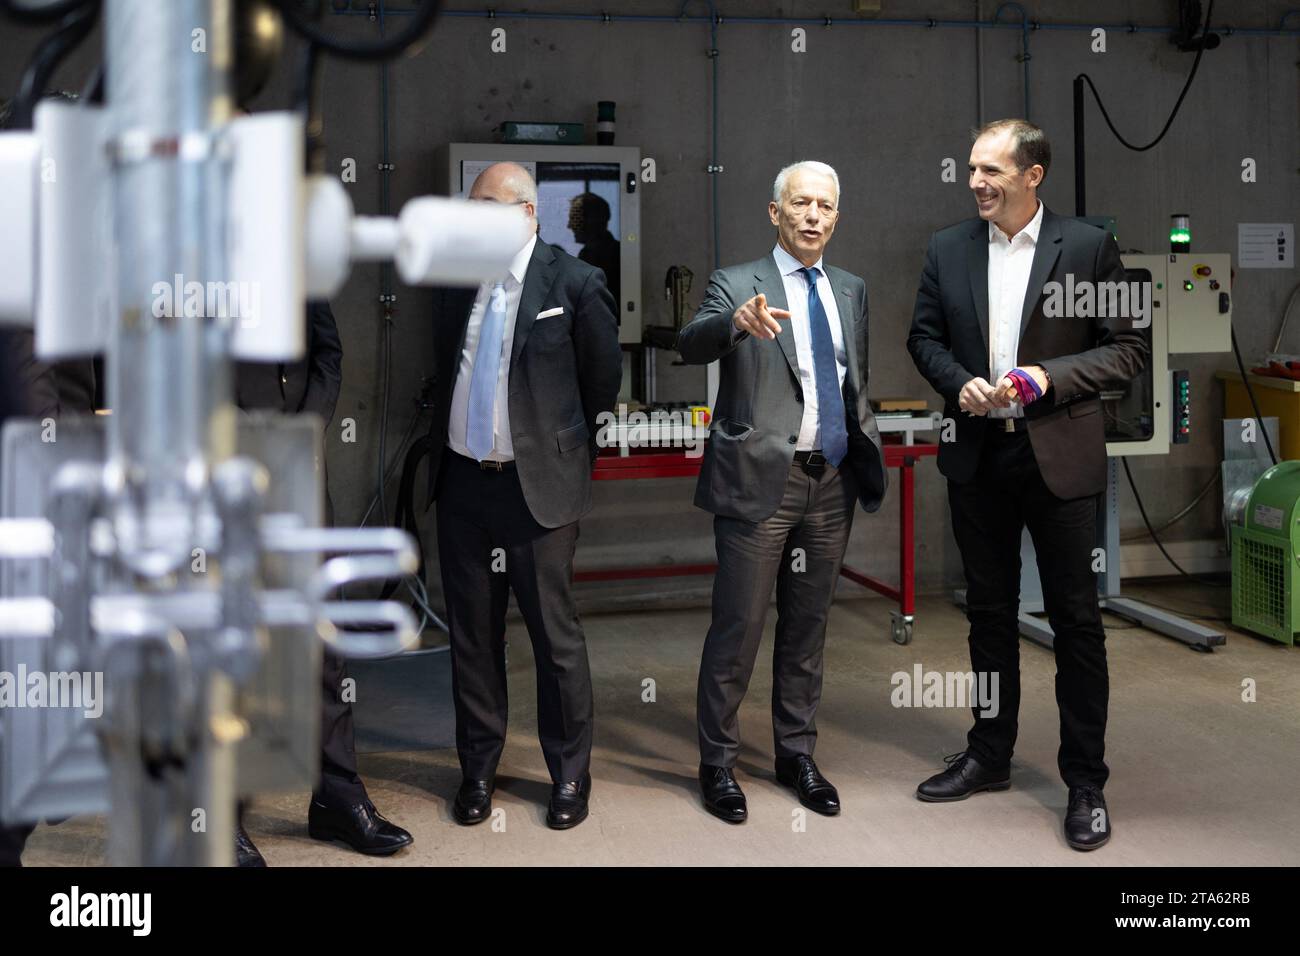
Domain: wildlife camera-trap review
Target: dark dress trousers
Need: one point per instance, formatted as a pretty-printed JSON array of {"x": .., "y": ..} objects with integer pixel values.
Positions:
[
  {"x": 765, "y": 506},
  {"x": 516, "y": 529},
  {"x": 1045, "y": 476},
  {"x": 312, "y": 385}
]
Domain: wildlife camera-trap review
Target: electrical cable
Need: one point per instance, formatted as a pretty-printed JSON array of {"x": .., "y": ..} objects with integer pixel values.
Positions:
[
  {"x": 1181, "y": 96},
  {"x": 51, "y": 51},
  {"x": 1200, "y": 495},
  {"x": 1156, "y": 538},
  {"x": 388, "y": 47},
  {"x": 1250, "y": 392},
  {"x": 47, "y": 13},
  {"x": 385, "y": 273},
  {"x": 92, "y": 91},
  {"x": 401, "y": 450},
  {"x": 1286, "y": 312}
]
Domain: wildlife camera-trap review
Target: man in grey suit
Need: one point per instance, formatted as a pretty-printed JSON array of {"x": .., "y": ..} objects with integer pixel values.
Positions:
[{"x": 792, "y": 446}]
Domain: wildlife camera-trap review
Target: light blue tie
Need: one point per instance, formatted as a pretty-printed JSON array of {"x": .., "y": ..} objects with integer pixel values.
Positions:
[{"x": 487, "y": 370}]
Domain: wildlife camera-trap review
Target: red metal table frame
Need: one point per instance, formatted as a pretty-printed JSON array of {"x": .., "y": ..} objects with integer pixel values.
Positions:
[{"x": 677, "y": 465}]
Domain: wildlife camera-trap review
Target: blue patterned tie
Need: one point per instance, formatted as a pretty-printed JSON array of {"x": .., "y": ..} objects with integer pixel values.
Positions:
[
  {"x": 487, "y": 370},
  {"x": 830, "y": 401}
]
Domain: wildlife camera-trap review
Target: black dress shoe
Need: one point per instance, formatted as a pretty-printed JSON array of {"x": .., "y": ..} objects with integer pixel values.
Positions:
[
  {"x": 568, "y": 805},
  {"x": 722, "y": 795},
  {"x": 1087, "y": 821},
  {"x": 815, "y": 791},
  {"x": 246, "y": 854},
  {"x": 965, "y": 775},
  {"x": 359, "y": 825},
  {"x": 473, "y": 803}
]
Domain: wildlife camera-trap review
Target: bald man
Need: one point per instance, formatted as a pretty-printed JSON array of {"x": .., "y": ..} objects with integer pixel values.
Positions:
[{"x": 524, "y": 364}]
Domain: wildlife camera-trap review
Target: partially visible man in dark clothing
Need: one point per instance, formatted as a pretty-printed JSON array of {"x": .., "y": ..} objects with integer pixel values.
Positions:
[
  {"x": 26, "y": 389},
  {"x": 340, "y": 807}
]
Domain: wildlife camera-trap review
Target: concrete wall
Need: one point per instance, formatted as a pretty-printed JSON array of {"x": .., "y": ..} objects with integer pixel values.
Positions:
[{"x": 885, "y": 105}]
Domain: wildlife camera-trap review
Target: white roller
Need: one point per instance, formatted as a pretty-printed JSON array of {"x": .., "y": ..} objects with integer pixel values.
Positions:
[
  {"x": 20, "y": 160},
  {"x": 328, "y": 218},
  {"x": 72, "y": 302},
  {"x": 266, "y": 252},
  {"x": 456, "y": 242}
]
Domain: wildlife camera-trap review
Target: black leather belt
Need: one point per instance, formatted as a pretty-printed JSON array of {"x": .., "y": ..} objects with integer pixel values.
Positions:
[
  {"x": 813, "y": 463},
  {"x": 487, "y": 465},
  {"x": 1005, "y": 426},
  {"x": 809, "y": 458}
]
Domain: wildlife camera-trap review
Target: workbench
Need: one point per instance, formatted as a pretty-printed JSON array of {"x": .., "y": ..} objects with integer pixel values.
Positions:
[{"x": 902, "y": 451}]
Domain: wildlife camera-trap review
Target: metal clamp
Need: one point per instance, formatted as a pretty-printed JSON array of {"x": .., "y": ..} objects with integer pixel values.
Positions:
[{"x": 392, "y": 554}]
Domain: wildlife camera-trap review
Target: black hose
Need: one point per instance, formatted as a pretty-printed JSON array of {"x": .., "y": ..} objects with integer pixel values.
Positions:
[
  {"x": 76, "y": 26},
  {"x": 1156, "y": 538},
  {"x": 1181, "y": 96},
  {"x": 26, "y": 13},
  {"x": 1250, "y": 391},
  {"x": 383, "y": 49}
]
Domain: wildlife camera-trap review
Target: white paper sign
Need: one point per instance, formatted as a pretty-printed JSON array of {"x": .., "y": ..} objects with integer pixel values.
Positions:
[
  {"x": 470, "y": 169},
  {"x": 1266, "y": 245}
]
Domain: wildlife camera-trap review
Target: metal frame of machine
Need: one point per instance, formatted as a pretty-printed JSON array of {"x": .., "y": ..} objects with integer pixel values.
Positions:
[{"x": 212, "y": 666}]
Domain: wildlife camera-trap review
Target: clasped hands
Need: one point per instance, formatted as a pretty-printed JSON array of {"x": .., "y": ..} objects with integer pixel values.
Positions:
[{"x": 978, "y": 397}]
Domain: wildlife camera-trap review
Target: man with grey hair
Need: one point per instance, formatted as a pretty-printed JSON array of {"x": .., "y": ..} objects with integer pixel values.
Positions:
[
  {"x": 524, "y": 366},
  {"x": 793, "y": 445}
]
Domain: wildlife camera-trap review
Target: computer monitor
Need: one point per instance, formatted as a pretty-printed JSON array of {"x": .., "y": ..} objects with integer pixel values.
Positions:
[{"x": 588, "y": 203}]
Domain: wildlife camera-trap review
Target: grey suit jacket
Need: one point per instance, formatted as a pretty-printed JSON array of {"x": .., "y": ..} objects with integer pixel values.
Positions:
[
  {"x": 1083, "y": 356},
  {"x": 760, "y": 400},
  {"x": 564, "y": 371}
]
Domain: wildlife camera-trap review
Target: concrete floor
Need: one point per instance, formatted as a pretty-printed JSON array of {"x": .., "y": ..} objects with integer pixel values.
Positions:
[{"x": 1197, "y": 775}]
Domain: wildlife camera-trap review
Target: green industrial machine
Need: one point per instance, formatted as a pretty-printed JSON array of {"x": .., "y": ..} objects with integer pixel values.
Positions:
[{"x": 1266, "y": 556}]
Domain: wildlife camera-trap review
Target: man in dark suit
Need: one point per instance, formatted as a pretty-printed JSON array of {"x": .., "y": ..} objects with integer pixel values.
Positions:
[
  {"x": 340, "y": 807},
  {"x": 793, "y": 446},
  {"x": 589, "y": 217},
  {"x": 1029, "y": 451},
  {"x": 32, "y": 388},
  {"x": 524, "y": 366},
  {"x": 26, "y": 389}
]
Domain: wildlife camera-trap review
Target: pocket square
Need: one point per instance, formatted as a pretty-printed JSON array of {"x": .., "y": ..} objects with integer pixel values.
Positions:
[{"x": 558, "y": 310}]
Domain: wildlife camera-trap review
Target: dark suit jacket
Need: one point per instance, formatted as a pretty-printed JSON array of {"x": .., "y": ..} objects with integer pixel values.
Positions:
[
  {"x": 1083, "y": 356},
  {"x": 760, "y": 400},
  {"x": 564, "y": 371},
  {"x": 308, "y": 385}
]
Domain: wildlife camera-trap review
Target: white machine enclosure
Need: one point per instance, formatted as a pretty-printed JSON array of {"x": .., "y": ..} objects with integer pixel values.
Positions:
[{"x": 1182, "y": 321}]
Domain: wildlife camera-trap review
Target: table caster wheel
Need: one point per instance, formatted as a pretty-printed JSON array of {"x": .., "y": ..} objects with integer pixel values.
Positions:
[{"x": 900, "y": 627}]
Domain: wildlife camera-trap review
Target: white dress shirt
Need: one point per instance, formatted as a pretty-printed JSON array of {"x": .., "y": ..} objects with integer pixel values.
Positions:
[
  {"x": 796, "y": 295},
  {"x": 503, "y": 448},
  {"x": 1010, "y": 261}
]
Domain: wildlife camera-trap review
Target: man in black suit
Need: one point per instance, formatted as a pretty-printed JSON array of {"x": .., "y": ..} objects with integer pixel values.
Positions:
[
  {"x": 26, "y": 389},
  {"x": 1023, "y": 390},
  {"x": 32, "y": 388},
  {"x": 793, "y": 445},
  {"x": 589, "y": 217},
  {"x": 340, "y": 807},
  {"x": 524, "y": 366}
]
